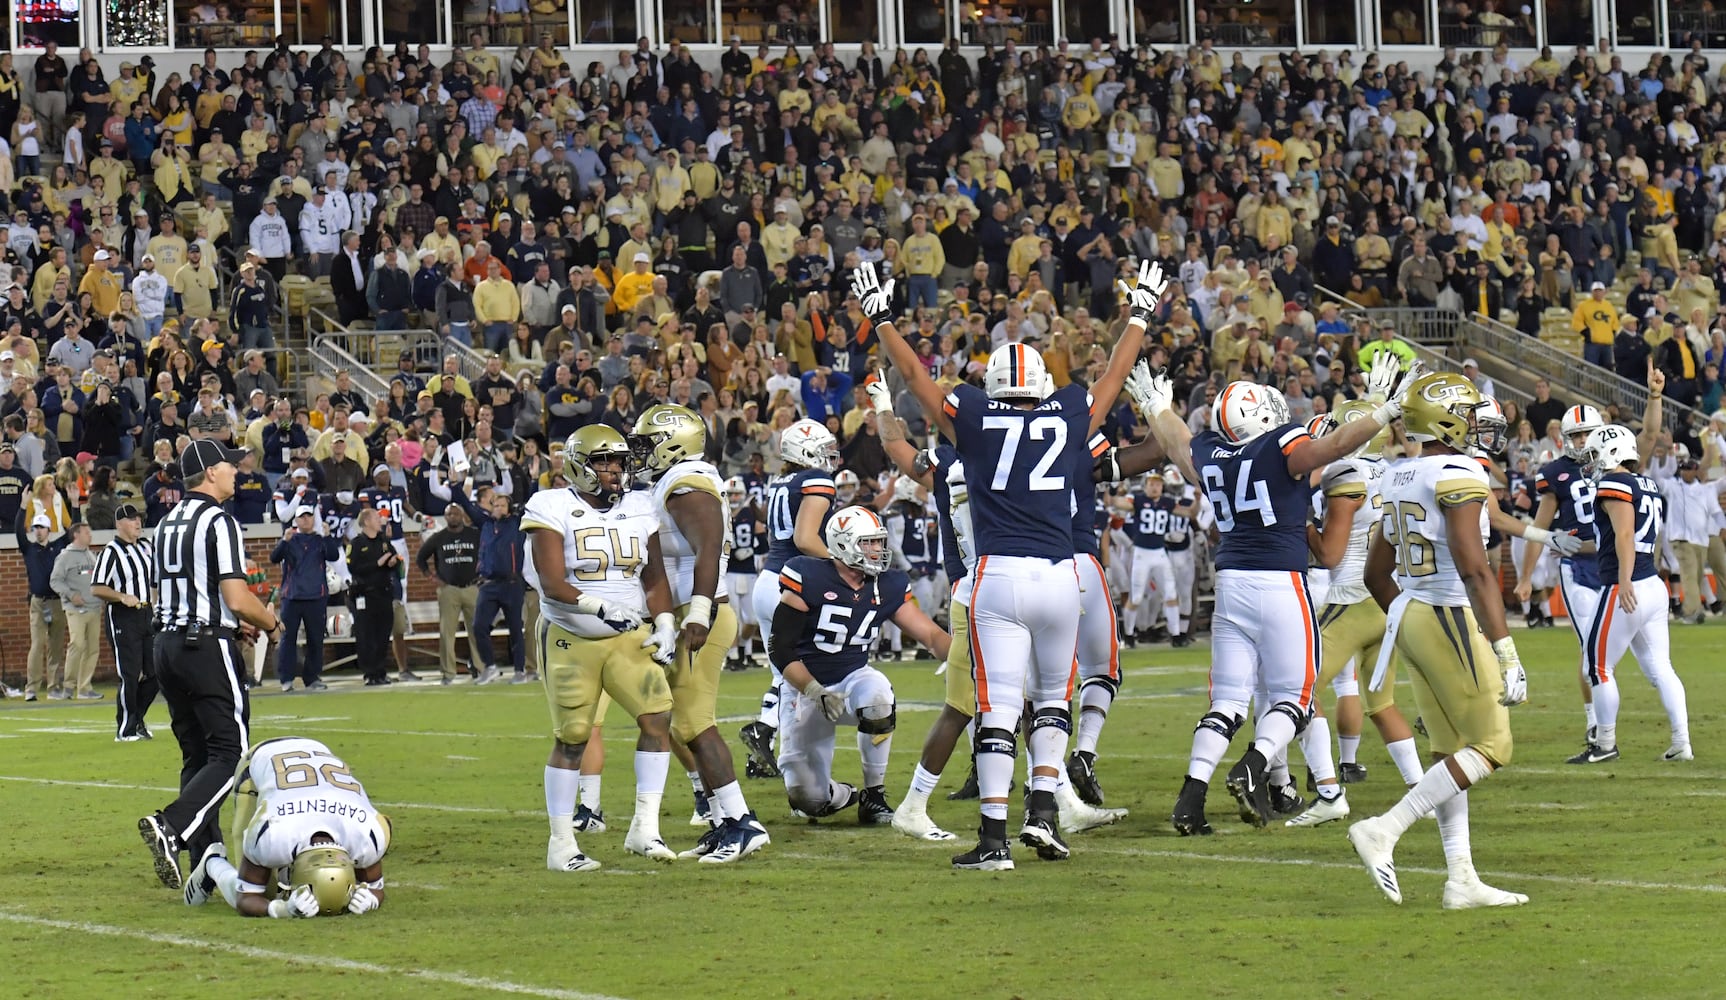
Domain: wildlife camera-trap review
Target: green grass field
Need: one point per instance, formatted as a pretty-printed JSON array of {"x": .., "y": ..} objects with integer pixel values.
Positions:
[{"x": 1624, "y": 864}]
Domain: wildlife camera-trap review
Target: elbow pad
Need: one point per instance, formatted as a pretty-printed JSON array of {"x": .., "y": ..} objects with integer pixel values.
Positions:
[{"x": 788, "y": 625}]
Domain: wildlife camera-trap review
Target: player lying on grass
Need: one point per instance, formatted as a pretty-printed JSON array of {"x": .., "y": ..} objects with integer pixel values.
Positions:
[
  {"x": 304, "y": 826},
  {"x": 828, "y": 620}
]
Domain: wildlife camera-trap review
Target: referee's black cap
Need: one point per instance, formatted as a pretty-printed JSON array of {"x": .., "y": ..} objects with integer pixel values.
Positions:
[
  {"x": 205, "y": 454},
  {"x": 126, "y": 512}
]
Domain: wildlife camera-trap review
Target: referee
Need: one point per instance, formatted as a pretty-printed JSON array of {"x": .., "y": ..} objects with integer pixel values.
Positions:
[
  {"x": 125, "y": 577},
  {"x": 202, "y": 598}
]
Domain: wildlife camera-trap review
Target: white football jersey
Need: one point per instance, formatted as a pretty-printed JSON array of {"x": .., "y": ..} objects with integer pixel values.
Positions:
[
  {"x": 604, "y": 552},
  {"x": 305, "y": 790},
  {"x": 678, "y": 553},
  {"x": 1358, "y": 479},
  {"x": 1415, "y": 493}
]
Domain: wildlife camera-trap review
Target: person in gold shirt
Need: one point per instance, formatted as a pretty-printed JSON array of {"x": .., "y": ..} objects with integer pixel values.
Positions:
[
  {"x": 172, "y": 170},
  {"x": 1597, "y": 320},
  {"x": 196, "y": 284},
  {"x": 103, "y": 284},
  {"x": 1025, "y": 249}
]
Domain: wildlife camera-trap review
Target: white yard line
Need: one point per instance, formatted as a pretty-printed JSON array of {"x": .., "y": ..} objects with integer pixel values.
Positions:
[
  {"x": 428, "y": 806},
  {"x": 331, "y": 962}
]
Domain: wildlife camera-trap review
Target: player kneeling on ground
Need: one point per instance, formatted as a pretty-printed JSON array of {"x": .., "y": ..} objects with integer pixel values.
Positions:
[
  {"x": 829, "y": 617},
  {"x": 301, "y": 818}
]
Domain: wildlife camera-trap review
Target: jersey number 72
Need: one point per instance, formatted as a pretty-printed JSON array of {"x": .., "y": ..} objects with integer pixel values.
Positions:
[{"x": 1051, "y": 429}]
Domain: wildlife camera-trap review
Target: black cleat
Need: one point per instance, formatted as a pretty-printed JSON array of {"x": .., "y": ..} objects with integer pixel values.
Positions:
[
  {"x": 754, "y": 770},
  {"x": 991, "y": 853},
  {"x": 1594, "y": 754},
  {"x": 1082, "y": 775},
  {"x": 1420, "y": 725},
  {"x": 852, "y": 797},
  {"x": 873, "y": 809},
  {"x": 1189, "y": 816},
  {"x": 968, "y": 790},
  {"x": 1039, "y": 832},
  {"x": 1311, "y": 782},
  {"x": 758, "y": 740},
  {"x": 1351, "y": 773},
  {"x": 1251, "y": 788},
  {"x": 1532, "y": 620},
  {"x": 1287, "y": 801},
  {"x": 1182, "y": 641},
  {"x": 164, "y": 845}
]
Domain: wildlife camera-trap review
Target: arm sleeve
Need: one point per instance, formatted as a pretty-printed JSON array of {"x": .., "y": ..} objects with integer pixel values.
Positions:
[{"x": 788, "y": 625}]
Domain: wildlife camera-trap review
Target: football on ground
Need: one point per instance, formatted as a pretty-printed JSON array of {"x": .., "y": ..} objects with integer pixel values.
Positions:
[{"x": 1627, "y": 853}]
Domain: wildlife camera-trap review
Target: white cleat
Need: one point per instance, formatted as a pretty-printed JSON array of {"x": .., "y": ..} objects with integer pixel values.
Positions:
[
  {"x": 565, "y": 856},
  {"x": 1077, "y": 817},
  {"x": 1678, "y": 751},
  {"x": 916, "y": 824},
  {"x": 1321, "y": 812},
  {"x": 652, "y": 848},
  {"x": 1377, "y": 852},
  {"x": 1477, "y": 894},
  {"x": 699, "y": 820}
]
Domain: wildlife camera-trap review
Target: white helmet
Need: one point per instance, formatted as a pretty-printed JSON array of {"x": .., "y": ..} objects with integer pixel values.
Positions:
[
  {"x": 1244, "y": 410},
  {"x": 846, "y": 484},
  {"x": 736, "y": 492},
  {"x": 810, "y": 445},
  {"x": 1319, "y": 425},
  {"x": 1608, "y": 447},
  {"x": 1172, "y": 477},
  {"x": 1491, "y": 428},
  {"x": 905, "y": 489},
  {"x": 1577, "y": 421},
  {"x": 857, "y": 538},
  {"x": 1015, "y": 371}
]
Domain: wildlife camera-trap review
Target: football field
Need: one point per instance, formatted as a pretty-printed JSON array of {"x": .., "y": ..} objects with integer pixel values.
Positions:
[{"x": 1625, "y": 864}]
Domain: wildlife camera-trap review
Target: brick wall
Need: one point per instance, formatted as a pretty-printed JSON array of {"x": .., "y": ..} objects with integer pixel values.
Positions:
[{"x": 15, "y": 596}]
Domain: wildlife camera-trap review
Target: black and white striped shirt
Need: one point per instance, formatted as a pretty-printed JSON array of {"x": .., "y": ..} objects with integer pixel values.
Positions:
[
  {"x": 198, "y": 545},
  {"x": 128, "y": 568}
]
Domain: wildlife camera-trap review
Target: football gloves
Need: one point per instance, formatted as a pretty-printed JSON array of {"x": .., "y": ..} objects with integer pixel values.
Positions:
[
  {"x": 300, "y": 903},
  {"x": 617, "y": 616},
  {"x": 364, "y": 900},
  {"x": 874, "y": 296},
  {"x": 1152, "y": 393},
  {"x": 1146, "y": 293},
  {"x": 1392, "y": 409},
  {"x": 831, "y": 703},
  {"x": 880, "y": 397},
  {"x": 663, "y": 639},
  {"x": 1515, "y": 678},
  {"x": 1564, "y": 543},
  {"x": 1381, "y": 376}
]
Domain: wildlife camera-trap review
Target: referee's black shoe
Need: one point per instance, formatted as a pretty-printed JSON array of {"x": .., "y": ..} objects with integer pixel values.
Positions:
[{"x": 164, "y": 845}]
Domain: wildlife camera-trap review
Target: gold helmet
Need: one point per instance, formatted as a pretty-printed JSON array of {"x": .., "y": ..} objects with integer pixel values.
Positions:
[
  {"x": 1358, "y": 409},
  {"x": 330, "y": 873},
  {"x": 665, "y": 435},
  {"x": 1440, "y": 407},
  {"x": 592, "y": 442}
]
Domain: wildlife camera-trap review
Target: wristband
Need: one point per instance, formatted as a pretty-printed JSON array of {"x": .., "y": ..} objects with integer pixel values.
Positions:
[
  {"x": 700, "y": 612},
  {"x": 1386, "y": 413},
  {"x": 280, "y": 909},
  {"x": 666, "y": 620},
  {"x": 1505, "y": 650},
  {"x": 375, "y": 886},
  {"x": 1536, "y": 536}
]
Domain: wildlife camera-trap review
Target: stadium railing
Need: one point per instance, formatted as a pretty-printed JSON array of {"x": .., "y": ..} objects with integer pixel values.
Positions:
[{"x": 472, "y": 361}]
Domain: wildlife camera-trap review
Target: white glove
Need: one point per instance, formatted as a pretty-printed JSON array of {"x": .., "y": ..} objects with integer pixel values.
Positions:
[
  {"x": 874, "y": 296},
  {"x": 663, "y": 639},
  {"x": 1565, "y": 543},
  {"x": 1515, "y": 678},
  {"x": 300, "y": 903},
  {"x": 364, "y": 900},
  {"x": 743, "y": 552},
  {"x": 880, "y": 397},
  {"x": 831, "y": 703},
  {"x": 1146, "y": 293},
  {"x": 1393, "y": 408},
  {"x": 1153, "y": 393},
  {"x": 1381, "y": 376},
  {"x": 617, "y": 616}
]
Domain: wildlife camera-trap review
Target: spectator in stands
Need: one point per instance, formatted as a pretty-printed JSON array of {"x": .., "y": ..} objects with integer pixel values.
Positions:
[{"x": 1597, "y": 320}]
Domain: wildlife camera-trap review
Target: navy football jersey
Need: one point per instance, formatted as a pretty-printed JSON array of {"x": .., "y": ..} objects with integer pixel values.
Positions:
[
  {"x": 1151, "y": 520},
  {"x": 1180, "y": 534},
  {"x": 951, "y": 561},
  {"x": 843, "y": 624},
  {"x": 338, "y": 519},
  {"x": 1565, "y": 481},
  {"x": 914, "y": 534},
  {"x": 1085, "y": 503},
  {"x": 1261, "y": 507},
  {"x": 1019, "y": 466},
  {"x": 391, "y": 505},
  {"x": 745, "y": 537},
  {"x": 784, "y": 499},
  {"x": 1648, "y": 506},
  {"x": 756, "y": 487}
]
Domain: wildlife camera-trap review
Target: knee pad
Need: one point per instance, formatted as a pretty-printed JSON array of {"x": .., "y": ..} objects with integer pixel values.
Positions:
[
  {"x": 574, "y": 734},
  {"x": 807, "y": 800},
  {"x": 1053, "y": 717},
  {"x": 1299, "y": 716},
  {"x": 877, "y": 720},
  {"x": 1111, "y": 684},
  {"x": 1223, "y": 725},
  {"x": 993, "y": 739}
]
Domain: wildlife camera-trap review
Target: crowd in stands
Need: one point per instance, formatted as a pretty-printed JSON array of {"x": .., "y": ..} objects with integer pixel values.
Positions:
[{"x": 613, "y": 234}]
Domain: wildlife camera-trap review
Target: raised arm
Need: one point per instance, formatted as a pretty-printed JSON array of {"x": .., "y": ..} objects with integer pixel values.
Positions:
[
  {"x": 876, "y": 299},
  {"x": 1143, "y": 298},
  {"x": 892, "y": 432},
  {"x": 1652, "y": 416}
]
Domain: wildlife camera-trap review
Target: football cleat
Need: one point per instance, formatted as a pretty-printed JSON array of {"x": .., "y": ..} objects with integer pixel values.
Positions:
[
  {"x": 754, "y": 770},
  {"x": 1082, "y": 775},
  {"x": 200, "y": 886},
  {"x": 852, "y": 797},
  {"x": 1182, "y": 641},
  {"x": 914, "y": 822},
  {"x": 702, "y": 811},
  {"x": 1351, "y": 773},
  {"x": 1251, "y": 788},
  {"x": 1420, "y": 725},
  {"x": 567, "y": 857},
  {"x": 1039, "y": 832},
  {"x": 589, "y": 820},
  {"x": 990, "y": 855},
  {"x": 1594, "y": 754},
  {"x": 968, "y": 790},
  {"x": 164, "y": 847},
  {"x": 129, "y": 738},
  {"x": 873, "y": 808},
  {"x": 1285, "y": 801},
  {"x": 1077, "y": 817},
  {"x": 758, "y": 740},
  {"x": 1476, "y": 894},
  {"x": 1678, "y": 751},
  {"x": 1321, "y": 812},
  {"x": 488, "y": 675},
  {"x": 1189, "y": 816},
  {"x": 652, "y": 848},
  {"x": 742, "y": 837},
  {"x": 708, "y": 842},
  {"x": 1377, "y": 852}
]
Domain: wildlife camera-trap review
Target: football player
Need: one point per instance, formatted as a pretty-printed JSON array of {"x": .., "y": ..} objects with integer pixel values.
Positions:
[
  {"x": 393, "y": 506},
  {"x": 1149, "y": 513},
  {"x": 906, "y": 518},
  {"x": 302, "y": 819},
  {"x": 829, "y": 616},
  {"x": 1427, "y": 569},
  {"x": 797, "y": 504},
  {"x": 595, "y": 559},
  {"x": 1179, "y": 546},
  {"x": 668, "y": 442},
  {"x": 1256, "y": 464},
  {"x": 1631, "y": 612},
  {"x": 1021, "y": 442},
  {"x": 742, "y": 565},
  {"x": 846, "y": 484}
]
